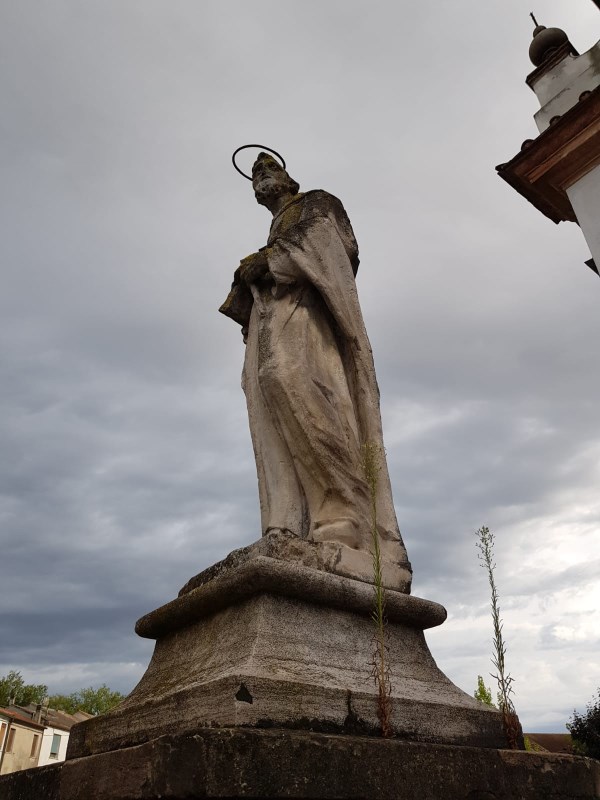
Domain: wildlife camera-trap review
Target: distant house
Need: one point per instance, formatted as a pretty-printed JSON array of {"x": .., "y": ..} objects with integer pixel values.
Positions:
[
  {"x": 20, "y": 740},
  {"x": 56, "y": 734},
  {"x": 50, "y": 731}
]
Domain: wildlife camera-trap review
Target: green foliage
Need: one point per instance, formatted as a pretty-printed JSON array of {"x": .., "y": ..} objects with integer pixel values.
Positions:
[
  {"x": 512, "y": 726},
  {"x": 585, "y": 729},
  {"x": 533, "y": 747},
  {"x": 63, "y": 702},
  {"x": 381, "y": 670},
  {"x": 14, "y": 689},
  {"x": 482, "y": 693},
  {"x": 94, "y": 701}
]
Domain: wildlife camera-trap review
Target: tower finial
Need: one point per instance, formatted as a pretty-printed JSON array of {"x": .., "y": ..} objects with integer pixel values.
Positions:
[{"x": 535, "y": 22}]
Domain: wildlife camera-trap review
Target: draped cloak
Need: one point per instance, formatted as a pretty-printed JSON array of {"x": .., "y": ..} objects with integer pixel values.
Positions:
[{"x": 310, "y": 385}]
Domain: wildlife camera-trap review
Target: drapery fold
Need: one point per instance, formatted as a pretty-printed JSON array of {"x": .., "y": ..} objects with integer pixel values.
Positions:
[{"x": 310, "y": 384}]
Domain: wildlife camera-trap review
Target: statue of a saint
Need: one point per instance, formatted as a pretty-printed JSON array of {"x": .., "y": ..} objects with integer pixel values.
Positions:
[{"x": 309, "y": 378}]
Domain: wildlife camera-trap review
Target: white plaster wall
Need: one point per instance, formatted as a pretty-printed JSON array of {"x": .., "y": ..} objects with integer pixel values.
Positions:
[
  {"x": 47, "y": 744},
  {"x": 559, "y": 89},
  {"x": 585, "y": 199},
  {"x": 5, "y": 721},
  {"x": 19, "y": 757}
]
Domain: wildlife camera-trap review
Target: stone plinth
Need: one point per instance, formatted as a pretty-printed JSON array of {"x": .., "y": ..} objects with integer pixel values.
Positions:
[
  {"x": 260, "y": 687},
  {"x": 330, "y": 557},
  {"x": 251, "y": 763},
  {"x": 260, "y": 642}
]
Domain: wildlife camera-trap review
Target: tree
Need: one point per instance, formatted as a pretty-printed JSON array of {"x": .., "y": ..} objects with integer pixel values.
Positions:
[
  {"x": 63, "y": 702},
  {"x": 482, "y": 693},
  {"x": 14, "y": 689},
  {"x": 585, "y": 729},
  {"x": 94, "y": 701}
]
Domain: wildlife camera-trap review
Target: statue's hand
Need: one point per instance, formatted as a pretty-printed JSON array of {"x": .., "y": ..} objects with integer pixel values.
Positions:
[{"x": 253, "y": 268}]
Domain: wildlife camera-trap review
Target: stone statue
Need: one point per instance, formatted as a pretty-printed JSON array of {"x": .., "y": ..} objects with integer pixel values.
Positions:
[
  {"x": 309, "y": 378},
  {"x": 280, "y": 634}
]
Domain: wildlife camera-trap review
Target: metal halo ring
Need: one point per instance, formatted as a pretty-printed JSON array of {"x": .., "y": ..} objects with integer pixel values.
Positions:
[{"x": 262, "y": 146}]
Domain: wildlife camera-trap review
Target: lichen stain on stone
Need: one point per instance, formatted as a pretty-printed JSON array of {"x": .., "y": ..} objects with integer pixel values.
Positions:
[
  {"x": 352, "y": 725},
  {"x": 289, "y": 217}
]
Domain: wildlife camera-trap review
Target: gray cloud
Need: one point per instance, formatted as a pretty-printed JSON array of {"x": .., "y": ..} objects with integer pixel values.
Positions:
[{"x": 127, "y": 464}]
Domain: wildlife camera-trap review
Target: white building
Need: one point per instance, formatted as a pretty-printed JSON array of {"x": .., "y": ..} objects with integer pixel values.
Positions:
[
  {"x": 559, "y": 171},
  {"x": 54, "y": 746}
]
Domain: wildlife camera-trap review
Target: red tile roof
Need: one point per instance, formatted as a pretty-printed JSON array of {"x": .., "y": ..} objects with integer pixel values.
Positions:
[
  {"x": 52, "y": 718},
  {"x": 20, "y": 718}
]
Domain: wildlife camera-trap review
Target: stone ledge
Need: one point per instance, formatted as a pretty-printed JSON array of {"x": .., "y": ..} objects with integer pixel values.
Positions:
[
  {"x": 300, "y": 662},
  {"x": 235, "y": 702},
  {"x": 274, "y": 764},
  {"x": 262, "y": 574},
  {"x": 38, "y": 783},
  {"x": 331, "y": 557}
]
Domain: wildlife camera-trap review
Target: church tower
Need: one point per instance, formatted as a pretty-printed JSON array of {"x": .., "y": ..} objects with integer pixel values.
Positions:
[{"x": 559, "y": 171}]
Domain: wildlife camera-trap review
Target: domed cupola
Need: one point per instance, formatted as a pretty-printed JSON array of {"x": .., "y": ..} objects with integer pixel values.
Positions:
[{"x": 545, "y": 42}]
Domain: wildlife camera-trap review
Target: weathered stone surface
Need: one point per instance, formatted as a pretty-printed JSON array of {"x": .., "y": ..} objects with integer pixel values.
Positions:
[
  {"x": 268, "y": 659},
  {"x": 230, "y": 582},
  {"x": 328, "y": 557},
  {"x": 309, "y": 378},
  {"x": 39, "y": 783},
  {"x": 286, "y": 764}
]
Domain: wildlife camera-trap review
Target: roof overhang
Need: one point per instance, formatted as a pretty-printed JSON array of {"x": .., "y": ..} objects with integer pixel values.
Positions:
[
  {"x": 19, "y": 719},
  {"x": 566, "y": 151}
]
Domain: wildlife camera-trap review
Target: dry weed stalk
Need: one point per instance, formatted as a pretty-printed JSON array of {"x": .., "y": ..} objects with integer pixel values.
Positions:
[
  {"x": 381, "y": 670},
  {"x": 510, "y": 720}
]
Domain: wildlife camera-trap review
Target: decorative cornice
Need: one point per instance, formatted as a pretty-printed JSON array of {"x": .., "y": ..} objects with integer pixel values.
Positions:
[
  {"x": 263, "y": 575},
  {"x": 566, "y": 151},
  {"x": 551, "y": 61}
]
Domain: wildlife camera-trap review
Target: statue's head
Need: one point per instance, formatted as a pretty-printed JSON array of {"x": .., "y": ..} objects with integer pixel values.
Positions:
[{"x": 271, "y": 181}]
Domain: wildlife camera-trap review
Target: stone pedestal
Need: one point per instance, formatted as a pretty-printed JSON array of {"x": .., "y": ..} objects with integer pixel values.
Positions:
[
  {"x": 274, "y": 764},
  {"x": 256, "y": 641},
  {"x": 261, "y": 686}
]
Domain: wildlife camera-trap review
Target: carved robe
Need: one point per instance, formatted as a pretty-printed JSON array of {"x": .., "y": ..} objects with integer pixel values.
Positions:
[{"x": 310, "y": 384}]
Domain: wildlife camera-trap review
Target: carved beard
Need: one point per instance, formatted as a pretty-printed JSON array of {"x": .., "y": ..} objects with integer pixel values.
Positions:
[{"x": 267, "y": 195}]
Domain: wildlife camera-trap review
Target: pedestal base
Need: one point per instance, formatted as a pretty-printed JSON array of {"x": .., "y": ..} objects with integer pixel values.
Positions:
[
  {"x": 261, "y": 686},
  {"x": 276, "y": 764},
  {"x": 268, "y": 643}
]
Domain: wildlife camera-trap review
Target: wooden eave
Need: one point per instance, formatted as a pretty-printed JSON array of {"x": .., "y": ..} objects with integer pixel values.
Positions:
[{"x": 566, "y": 151}]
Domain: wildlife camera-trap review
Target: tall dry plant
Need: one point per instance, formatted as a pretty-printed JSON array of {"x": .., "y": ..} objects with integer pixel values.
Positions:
[
  {"x": 510, "y": 720},
  {"x": 381, "y": 670}
]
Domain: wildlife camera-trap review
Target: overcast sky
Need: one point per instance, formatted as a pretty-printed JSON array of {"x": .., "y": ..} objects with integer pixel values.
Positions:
[{"x": 126, "y": 458}]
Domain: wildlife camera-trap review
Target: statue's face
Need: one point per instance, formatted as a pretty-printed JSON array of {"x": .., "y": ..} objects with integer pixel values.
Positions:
[{"x": 268, "y": 178}]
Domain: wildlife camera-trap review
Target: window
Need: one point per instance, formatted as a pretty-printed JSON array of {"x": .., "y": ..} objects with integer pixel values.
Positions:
[
  {"x": 55, "y": 746},
  {"x": 34, "y": 746},
  {"x": 2, "y": 732},
  {"x": 11, "y": 740}
]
